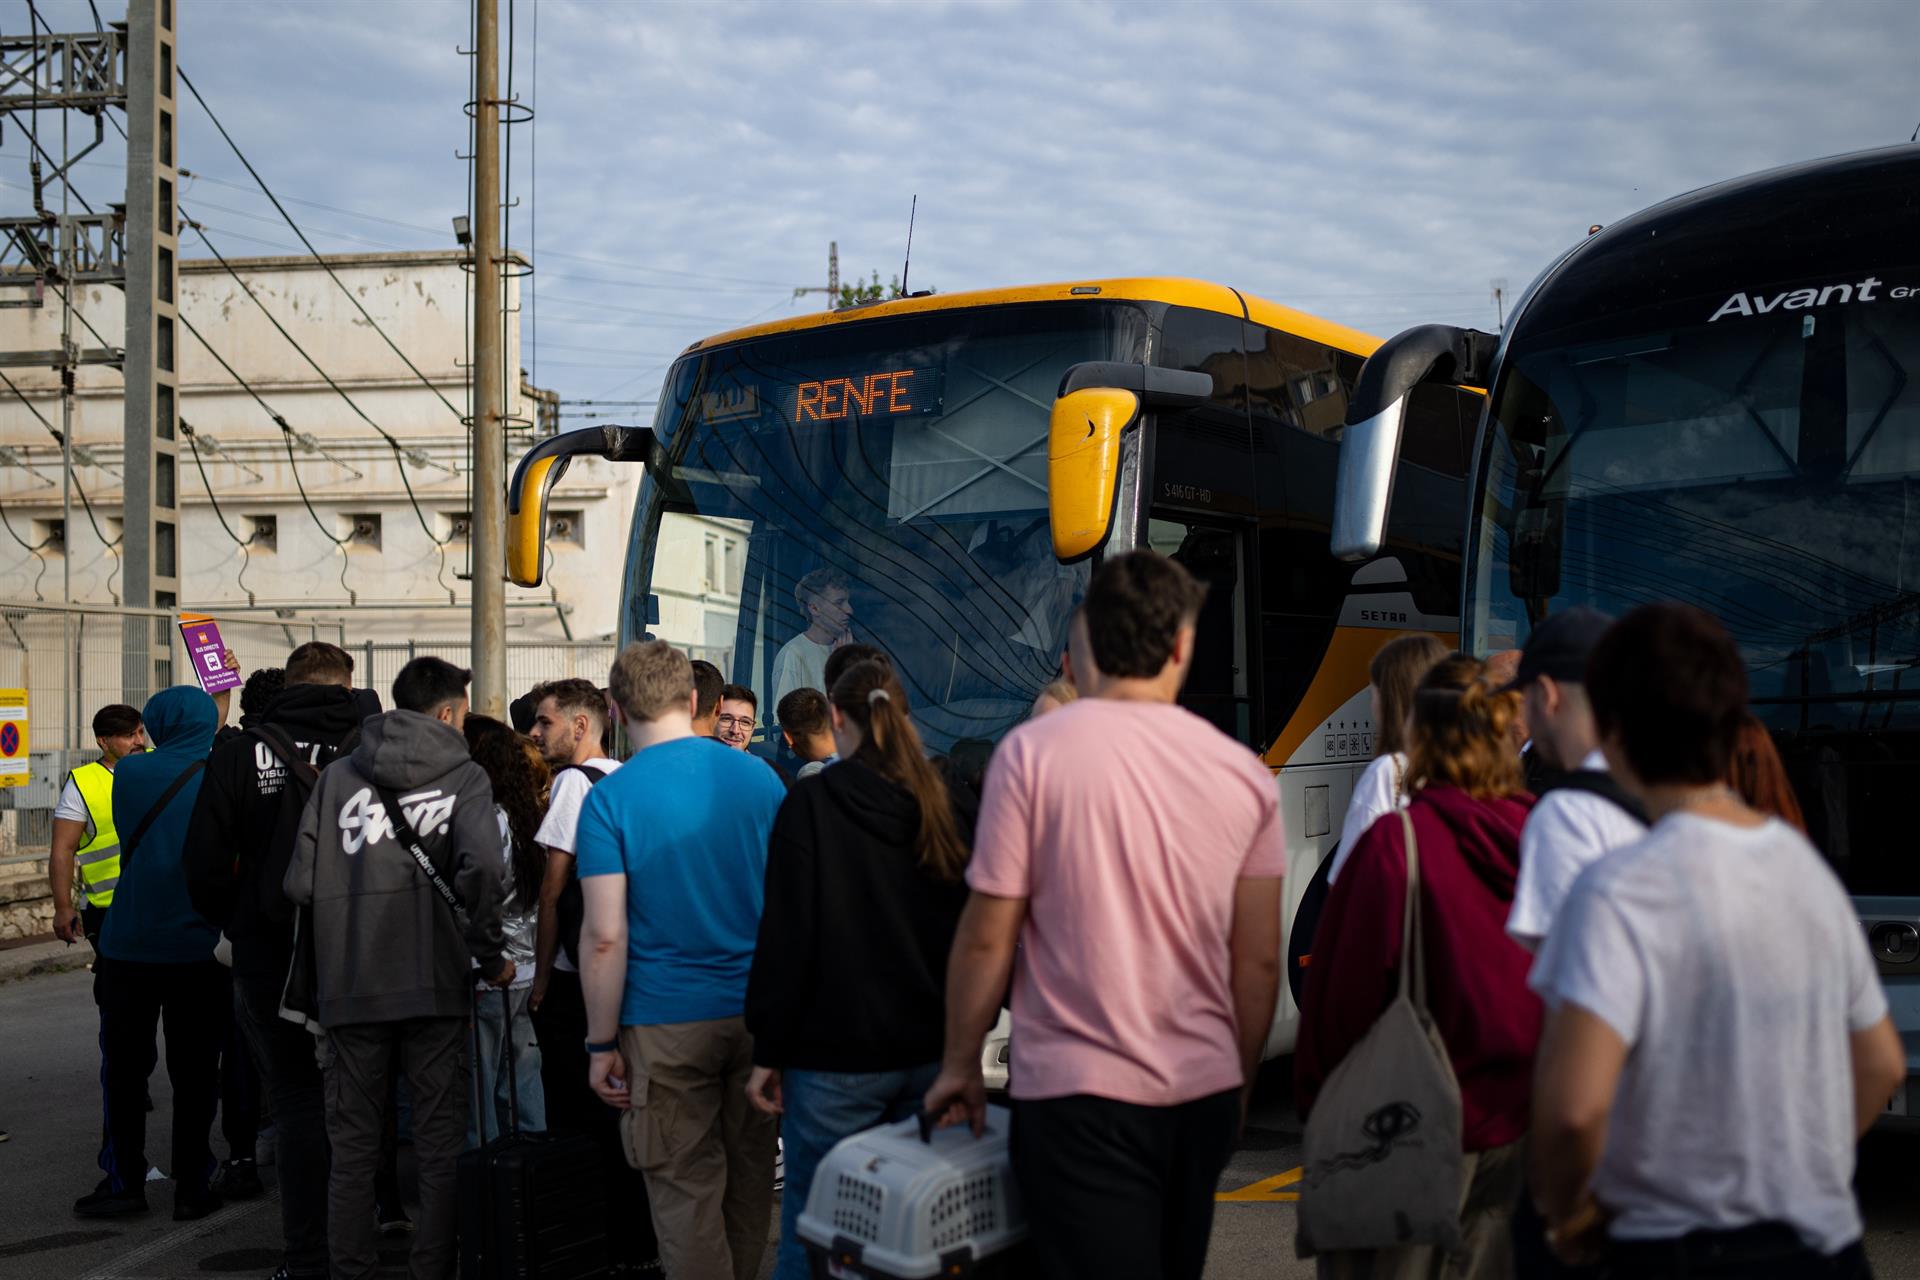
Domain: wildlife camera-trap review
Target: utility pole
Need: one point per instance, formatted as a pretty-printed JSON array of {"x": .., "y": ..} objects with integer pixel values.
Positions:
[
  {"x": 150, "y": 551},
  {"x": 833, "y": 278},
  {"x": 489, "y": 400}
]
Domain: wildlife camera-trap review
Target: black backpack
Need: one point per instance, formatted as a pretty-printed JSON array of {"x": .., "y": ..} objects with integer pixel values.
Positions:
[
  {"x": 570, "y": 912},
  {"x": 1597, "y": 782}
]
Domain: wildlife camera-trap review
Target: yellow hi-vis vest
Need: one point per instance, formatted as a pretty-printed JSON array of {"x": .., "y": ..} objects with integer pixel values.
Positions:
[{"x": 98, "y": 860}]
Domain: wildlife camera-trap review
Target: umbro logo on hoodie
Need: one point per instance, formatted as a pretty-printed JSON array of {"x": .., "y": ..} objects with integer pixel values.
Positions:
[{"x": 363, "y": 819}]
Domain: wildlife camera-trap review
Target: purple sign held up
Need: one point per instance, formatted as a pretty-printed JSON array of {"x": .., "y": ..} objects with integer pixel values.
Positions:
[{"x": 206, "y": 654}]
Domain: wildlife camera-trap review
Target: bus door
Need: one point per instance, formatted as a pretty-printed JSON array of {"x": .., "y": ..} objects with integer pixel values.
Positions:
[{"x": 1219, "y": 684}]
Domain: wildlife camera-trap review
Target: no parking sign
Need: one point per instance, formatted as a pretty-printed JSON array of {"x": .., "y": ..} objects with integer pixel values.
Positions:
[{"x": 14, "y": 768}]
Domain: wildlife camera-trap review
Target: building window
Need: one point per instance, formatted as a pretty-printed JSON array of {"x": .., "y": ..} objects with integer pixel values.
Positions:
[
  {"x": 51, "y": 536},
  {"x": 363, "y": 531},
  {"x": 265, "y": 536},
  {"x": 713, "y": 579},
  {"x": 456, "y": 526},
  {"x": 566, "y": 527},
  {"x": 731, "y": 563}
]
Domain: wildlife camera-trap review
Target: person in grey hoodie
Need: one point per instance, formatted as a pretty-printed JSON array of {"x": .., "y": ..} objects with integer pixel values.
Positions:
[{"x": 392, "y": 957}]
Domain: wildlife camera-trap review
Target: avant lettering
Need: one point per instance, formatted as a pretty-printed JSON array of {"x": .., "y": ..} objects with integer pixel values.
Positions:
[{"x": 1760, "y": 304}]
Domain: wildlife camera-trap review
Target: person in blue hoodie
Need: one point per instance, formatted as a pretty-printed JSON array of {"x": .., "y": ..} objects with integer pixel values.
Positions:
[{"x": 156, "y": 962}]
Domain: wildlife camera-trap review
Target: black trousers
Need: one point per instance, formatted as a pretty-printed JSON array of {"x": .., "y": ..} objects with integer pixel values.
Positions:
[
  {"x": 1763, "y": 1251},
  {"x": 560, "y": 1024},
  {"x": 359, "y": 1087},
  {"x": 1116, "y": 1190},
  {"x": 194, "y": 1002},
  {"x": 289, "y": 1068},
  {"x": 239, "y": 1093}
]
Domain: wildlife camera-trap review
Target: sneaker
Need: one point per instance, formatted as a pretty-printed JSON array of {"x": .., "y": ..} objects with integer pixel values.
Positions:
[
  {"x": 392, "y": 1220},
  {"x": 102, "y": 1203},
  {"x": 190, "y": 1206},
  {"x": 154, "y": 1174},
  {"x": 239, "y": 1180}
]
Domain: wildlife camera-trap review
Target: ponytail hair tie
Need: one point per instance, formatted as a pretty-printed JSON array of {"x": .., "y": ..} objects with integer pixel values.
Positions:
[{"x": 878, "y": 695}]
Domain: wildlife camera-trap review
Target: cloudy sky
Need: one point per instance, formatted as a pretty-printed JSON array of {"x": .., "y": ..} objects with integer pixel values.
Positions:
[{"x": 1379, "y": 163}]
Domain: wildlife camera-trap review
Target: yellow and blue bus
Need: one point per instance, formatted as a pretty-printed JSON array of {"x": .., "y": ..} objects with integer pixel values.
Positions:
[{"x": 938, "y": 456}]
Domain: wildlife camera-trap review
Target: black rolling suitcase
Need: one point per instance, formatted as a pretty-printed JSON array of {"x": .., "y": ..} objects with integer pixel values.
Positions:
[{"x": 531, "y": 1207}]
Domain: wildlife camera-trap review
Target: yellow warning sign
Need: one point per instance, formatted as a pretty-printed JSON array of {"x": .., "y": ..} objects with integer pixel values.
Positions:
[
  {"x": 1265, "y": 1191},
  {"x": 15, "y": 768}
]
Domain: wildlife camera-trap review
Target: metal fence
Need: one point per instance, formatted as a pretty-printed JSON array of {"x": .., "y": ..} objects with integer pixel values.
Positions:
[
  {"x": 74, "y": 659},
  {"x": 528, "y": 663}
]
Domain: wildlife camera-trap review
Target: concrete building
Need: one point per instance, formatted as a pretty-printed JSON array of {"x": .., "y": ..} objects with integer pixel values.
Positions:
[{"x": 353, "y": 551}]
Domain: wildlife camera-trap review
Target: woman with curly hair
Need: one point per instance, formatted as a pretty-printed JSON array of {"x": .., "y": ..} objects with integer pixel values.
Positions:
[
  {"x": 520, "y": 779},
  {"x": 1465, "y": 814}
]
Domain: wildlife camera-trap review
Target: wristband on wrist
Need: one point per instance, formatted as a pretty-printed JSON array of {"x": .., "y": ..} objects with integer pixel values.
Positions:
[{"x": 602, "y": 1046}]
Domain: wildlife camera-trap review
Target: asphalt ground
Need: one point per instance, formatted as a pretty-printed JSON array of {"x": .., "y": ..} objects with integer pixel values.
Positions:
[{"x": 49, "y": 1101}]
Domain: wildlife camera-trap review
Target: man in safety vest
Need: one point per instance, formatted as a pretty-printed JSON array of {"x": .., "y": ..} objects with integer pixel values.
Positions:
[{"x": 83, "y": 832}]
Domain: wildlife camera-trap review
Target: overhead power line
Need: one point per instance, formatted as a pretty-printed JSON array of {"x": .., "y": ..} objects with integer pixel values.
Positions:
[
  {"x": 60, "y": 439},
  {"x": 401, "y": 454},
  {"x": 316, "y": 254}
]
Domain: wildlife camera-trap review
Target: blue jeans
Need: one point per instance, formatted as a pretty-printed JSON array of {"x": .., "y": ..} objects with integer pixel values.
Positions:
[
  {"x": 822, "y": 1108},
  {"x": 491, "y": 1068}
]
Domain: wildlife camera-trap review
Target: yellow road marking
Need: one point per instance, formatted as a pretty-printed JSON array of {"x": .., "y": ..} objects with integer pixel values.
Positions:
[{"x": 1265, "y": 1191}]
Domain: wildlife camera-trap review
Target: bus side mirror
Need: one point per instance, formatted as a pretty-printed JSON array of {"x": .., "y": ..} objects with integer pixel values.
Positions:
[
  {"x": 540, "y": 468},
  {"x": 1097, "y": 404},
  {"x": 1370, "y": 445}
]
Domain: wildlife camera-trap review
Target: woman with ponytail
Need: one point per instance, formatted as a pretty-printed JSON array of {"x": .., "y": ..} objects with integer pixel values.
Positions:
[
  {"x": 1467, "y": 809},
  {"x": 847, "y": 996}
]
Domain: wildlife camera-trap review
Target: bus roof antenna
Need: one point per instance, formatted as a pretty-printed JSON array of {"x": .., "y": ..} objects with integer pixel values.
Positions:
[{"x": 914, "y": 209}]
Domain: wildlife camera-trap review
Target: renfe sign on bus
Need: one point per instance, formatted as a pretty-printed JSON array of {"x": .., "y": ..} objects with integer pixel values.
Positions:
[{"x": 890, "y": 393}]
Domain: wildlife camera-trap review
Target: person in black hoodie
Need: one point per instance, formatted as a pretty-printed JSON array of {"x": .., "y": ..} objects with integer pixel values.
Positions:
[
  {"x": 846, "y": 1000},
  {"x": 397, "y": 861},
  {"x": 238, "y": 848}
]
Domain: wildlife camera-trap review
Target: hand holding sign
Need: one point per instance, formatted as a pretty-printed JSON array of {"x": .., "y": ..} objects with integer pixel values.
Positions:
[{"x": 213, "y": 663}]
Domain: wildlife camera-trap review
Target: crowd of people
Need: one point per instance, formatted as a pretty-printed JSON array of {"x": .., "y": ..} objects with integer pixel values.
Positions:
[{"x": 716, "y": 963}]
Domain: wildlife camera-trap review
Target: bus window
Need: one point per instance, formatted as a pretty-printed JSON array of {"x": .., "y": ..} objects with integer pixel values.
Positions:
[
  {"x": 1217, "y": 685},
  {"x": 1201, "y": 456}
]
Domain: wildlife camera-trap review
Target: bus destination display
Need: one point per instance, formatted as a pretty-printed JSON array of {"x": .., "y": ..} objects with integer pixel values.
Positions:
[{"x": 890, "y": 393}]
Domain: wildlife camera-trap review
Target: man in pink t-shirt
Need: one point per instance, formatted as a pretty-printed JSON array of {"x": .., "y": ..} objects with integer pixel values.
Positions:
[{"x": 1134, "y": 852}]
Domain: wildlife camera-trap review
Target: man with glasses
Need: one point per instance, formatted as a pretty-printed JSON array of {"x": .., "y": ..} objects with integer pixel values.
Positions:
[{"x": 738, "y": 707}]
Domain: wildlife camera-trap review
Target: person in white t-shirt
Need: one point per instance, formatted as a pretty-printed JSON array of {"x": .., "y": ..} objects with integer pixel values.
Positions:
[
  {"x": 1582, "y": 814},
  {"x": 1717, "y": 1038},
  {"x": 1396, "y": 671},
  {"x": 570, "y": 728},
  {"x": 827, "y": 603}
]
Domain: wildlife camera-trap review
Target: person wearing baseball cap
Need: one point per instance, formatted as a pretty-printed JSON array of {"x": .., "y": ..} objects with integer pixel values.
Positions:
[{"x": 1583, "y": 813}]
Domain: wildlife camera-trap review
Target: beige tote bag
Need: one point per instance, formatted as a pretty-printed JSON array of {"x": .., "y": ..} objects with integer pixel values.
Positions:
[{"x": 1382, "y": 1159}]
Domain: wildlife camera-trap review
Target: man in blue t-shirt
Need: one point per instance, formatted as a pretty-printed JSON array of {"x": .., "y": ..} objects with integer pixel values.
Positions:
[{"x": 672, "y": 854}]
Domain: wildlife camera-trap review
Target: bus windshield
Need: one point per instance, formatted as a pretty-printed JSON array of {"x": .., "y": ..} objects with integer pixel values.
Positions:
[
  {"x": 1764, "y": 465},
  {"x": 880, "y": 482}
]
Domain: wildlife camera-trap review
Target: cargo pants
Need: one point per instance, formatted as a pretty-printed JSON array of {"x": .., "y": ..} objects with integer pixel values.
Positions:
[{"x": 706, "y": 1153}]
